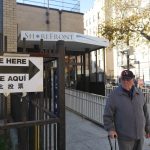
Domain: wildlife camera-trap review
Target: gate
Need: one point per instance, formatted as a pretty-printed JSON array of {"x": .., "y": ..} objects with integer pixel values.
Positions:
[{"x": 37, "y": 119}]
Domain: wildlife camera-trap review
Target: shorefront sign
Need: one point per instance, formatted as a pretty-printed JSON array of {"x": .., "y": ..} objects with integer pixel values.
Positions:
[
  {"x": 21, "y": 74},
  {"x": 65, "y": 36},
  {"x": 46, "y": 36}
]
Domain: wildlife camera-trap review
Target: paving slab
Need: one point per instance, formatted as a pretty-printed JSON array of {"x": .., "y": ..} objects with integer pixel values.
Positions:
[{"x": 82, "y": 134}]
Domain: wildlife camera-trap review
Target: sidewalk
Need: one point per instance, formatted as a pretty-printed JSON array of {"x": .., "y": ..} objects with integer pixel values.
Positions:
[{"x": 82, "y": 134}]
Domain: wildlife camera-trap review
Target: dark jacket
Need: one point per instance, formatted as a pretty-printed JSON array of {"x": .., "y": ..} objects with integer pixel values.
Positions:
[{"x": 129, "y": 117}]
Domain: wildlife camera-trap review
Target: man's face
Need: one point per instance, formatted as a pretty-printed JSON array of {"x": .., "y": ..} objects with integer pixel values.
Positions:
[{"x": 127, "y": 84}]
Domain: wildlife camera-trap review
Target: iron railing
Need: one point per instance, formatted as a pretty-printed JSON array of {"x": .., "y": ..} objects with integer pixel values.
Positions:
[
  {"x": 145, "y": 91},
  {"x": 89, "y": 105}
]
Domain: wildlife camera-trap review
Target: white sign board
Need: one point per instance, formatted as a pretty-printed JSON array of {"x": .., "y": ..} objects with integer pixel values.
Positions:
[
  {"x": 21, "y": 74},
  {"x": 65, "y": 36}
]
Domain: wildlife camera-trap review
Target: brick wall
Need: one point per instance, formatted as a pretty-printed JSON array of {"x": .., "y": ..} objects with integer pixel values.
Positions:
[
  {"x": 9, "y": 25},
  {"x": 72, "y": 22},
  {"x": 34, "y": 18},
  {"x": 9, "y": 31}
]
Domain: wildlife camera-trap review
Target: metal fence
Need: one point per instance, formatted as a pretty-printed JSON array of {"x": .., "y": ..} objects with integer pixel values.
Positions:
[
  {"x": 145, "y": 91},
  {"x": 91, "y": 106},
  {"x": 108, "y": 90},
  {"x": 88, "y": 105}
]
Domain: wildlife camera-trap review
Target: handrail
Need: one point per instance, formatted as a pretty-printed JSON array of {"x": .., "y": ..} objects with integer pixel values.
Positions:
[
  {"x": 89, "y": 105},
  {"x": 145, "y": 91}
]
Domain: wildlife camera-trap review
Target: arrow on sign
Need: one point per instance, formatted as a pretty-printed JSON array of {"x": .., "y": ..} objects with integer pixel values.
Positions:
[{"x": 31, "y": 69}]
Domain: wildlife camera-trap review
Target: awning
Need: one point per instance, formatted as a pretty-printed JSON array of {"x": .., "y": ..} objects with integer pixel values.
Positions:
[{"x": 73, "y": 41}]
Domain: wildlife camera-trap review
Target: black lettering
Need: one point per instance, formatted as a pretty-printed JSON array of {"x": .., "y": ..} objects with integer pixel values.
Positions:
[
  {"x": 10, "y": 86},
  {"x": 24, "y": 61},
  {"x": 22, "y": 78},
  {"x": 19, "y": 61},
  {"x": 71, "y": 37},
  {"x": 10, "y": 78},
  {"x": 1, "y": 60},
  {"x": 17, "y": 78},
  {"x": 31, "y": 36},
  {"x": 62, "y": 37},
  {"x": 65, "y": 37},
  {"x": 2, "y": 78},
  {"x": 8, "y": 60},
  {"x": 15, "y": 61},
  {"x": 51, "y": 36},
  {"x": 26, "y": 35},
  {"x": 44, "y": 36},
  {"x": 20, "y": 85},
  {"x": 56, "y": 37}
]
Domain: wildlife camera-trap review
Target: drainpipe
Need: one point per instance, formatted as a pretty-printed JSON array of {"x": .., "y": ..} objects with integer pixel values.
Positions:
[
  {"x": 60, "y": 12},
  {"x": 47, "y": 17},
  {"x": 128, "y": 60}
]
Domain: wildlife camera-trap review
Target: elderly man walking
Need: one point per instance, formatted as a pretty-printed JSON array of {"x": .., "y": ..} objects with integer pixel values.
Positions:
[{"x": 126, "y": 115}]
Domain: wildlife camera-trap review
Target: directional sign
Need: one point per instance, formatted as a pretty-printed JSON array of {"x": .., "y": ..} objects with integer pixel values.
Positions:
[{"x": 21, "y": 74}]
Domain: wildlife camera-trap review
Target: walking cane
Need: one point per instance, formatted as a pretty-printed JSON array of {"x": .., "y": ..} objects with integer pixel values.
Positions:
[{"x": 110, "y": 143}]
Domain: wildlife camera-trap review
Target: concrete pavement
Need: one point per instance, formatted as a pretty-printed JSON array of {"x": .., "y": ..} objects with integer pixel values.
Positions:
[{"x": 82, "y": 134}]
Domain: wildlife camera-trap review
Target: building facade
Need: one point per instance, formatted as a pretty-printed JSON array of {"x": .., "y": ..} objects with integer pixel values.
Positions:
[
  {"x": 92, "y": 18},
  {"x": 116, "y": 57},
  {"x": 37, "y": 18},
  {"x": 139, "y": 52},
  {"x": 15, "y": 17},
  {"x": 9, "y": 26}
]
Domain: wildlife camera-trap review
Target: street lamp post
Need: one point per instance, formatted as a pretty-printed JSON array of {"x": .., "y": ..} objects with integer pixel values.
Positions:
[
  {"x": 138, "y": 62},
  {"x": 139, "y": 68},
  {"x": 128, "y": 52},
  {"x": 128, "y": 60}
]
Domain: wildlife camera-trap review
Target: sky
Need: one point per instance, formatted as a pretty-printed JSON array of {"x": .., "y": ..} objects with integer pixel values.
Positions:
[{"x": 85, "y": 5}]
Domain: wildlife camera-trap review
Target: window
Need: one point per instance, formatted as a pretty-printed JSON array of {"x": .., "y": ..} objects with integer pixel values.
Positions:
[
  {"x": 99, "y": 63},
  {"x": 86, "y": 22},
  {"x": 93, "y": 18},
  {"x": 98, "y": 15}
]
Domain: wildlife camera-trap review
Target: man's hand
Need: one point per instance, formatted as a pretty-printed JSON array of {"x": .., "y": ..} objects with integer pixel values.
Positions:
[
  {"x": 147, "y": 135},
  {"x": 112, "y": 134}
]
